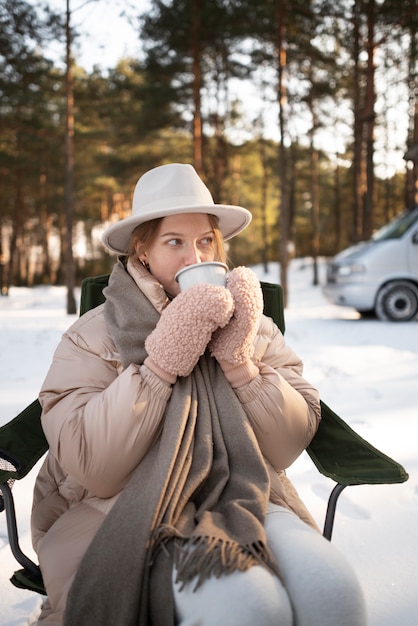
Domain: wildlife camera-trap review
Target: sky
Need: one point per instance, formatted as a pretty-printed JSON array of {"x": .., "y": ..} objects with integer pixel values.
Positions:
[
  {"x": 365, "y": 369},
  {"x": 105, "y": 35}
]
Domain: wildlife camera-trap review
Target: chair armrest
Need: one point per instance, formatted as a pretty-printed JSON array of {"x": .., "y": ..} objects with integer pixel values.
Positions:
[
  {"x": 92, "y": 292},
  {"x": 341, "y": 454},
  {"x": 22, "y": 442},
  {"x": 273, "y": 303}
]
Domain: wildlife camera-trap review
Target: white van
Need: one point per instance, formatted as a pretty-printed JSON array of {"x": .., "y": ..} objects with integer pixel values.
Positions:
[{"x": 380, "y": 275}]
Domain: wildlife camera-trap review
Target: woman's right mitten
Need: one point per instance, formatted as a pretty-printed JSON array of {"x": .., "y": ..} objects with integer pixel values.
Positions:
[{"x": 185, "y": 329}]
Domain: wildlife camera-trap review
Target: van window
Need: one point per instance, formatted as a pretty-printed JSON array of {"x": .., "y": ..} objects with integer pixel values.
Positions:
[{"x": 397, "y": 227}]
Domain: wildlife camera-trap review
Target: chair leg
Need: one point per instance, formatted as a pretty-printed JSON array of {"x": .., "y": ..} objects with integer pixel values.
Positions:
[
  {"x": 10, "y": 511},
  {"x": 330, "y": 514}
]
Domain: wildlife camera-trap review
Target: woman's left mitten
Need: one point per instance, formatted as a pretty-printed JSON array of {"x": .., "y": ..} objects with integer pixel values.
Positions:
[{"x": 234, "y": 344}]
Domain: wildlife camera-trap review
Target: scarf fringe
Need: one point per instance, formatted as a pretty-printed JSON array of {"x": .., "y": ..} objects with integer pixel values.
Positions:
[{"x": 201, "y": 558}]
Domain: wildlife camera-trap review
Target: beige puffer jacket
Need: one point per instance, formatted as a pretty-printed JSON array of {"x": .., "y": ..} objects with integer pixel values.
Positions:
[{"x": 100, "y": 419}]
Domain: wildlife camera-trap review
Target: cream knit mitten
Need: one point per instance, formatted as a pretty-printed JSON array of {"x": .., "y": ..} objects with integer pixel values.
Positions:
[{"x": 185, "y": 329}]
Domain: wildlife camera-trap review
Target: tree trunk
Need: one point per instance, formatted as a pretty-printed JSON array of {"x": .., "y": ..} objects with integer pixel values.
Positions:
[
  {"x": 197, "y": 81},
  {"x": 14, "y": 273},
  {"x": 337, "y": 206},
  {"x": 358, "y": 163},
  {"x": 284, "y": 218},
  {"x": 369, "y": 121},
  {"x": 3, "y": 292},
  {"x": 264, "y": 190},
  {"x": 69, "y": 170},
  {"x": 45, "y": 225},
  {"x": 314, "y": 208},
  {"x": 411, "y": 182},
  {"x": 314, "y": 181}
]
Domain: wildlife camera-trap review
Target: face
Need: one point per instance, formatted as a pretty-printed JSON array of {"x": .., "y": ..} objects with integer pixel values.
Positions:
[{"x": 181, "y": 240}]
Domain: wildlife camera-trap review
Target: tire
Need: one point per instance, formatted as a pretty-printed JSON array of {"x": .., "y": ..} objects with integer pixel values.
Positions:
[
  {"x": 397, "y": 302},
  {"x": 369, "y": 314}
]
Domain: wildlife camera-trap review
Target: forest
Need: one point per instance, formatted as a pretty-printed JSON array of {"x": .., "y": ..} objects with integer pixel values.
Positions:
[{"x": 303, "y": 111}]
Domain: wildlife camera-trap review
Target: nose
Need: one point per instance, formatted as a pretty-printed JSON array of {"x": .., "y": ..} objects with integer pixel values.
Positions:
[{"x": 193, "y": 255}]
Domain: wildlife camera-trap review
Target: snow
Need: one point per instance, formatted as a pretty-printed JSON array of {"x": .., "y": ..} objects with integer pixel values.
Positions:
[{"x": 365, "y": 369}]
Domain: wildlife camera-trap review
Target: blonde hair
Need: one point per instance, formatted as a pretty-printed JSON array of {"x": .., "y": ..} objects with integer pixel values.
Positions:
[{"x": 143, "y": 236}]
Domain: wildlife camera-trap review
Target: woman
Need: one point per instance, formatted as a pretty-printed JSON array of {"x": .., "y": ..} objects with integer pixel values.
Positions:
[{"x": 171, "y": 418}]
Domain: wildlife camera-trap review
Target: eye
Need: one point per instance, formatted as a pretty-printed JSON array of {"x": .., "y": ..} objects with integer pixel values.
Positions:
[
  {"x": 174, "y": 242},
  {"x": 207, "y": 241}
]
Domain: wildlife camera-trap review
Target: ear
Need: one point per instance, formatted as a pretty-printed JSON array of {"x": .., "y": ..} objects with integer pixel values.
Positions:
[
  {"x": 143, "y": 256},
  {"x": 143, "y": 259}
]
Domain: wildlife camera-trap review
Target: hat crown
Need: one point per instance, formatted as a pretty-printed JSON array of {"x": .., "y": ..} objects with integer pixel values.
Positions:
[
  {"x": 169, "y": 187},
  {"x": 172, "y": 189}
]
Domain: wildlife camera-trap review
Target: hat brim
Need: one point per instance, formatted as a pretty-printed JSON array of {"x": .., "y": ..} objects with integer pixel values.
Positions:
[{"x": 232, "y": 220}]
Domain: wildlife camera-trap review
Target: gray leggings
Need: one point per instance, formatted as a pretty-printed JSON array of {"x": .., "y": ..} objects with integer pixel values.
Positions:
[{"x": 319, "y": 587}]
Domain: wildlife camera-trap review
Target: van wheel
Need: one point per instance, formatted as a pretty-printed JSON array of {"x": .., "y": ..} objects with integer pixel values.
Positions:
[
  {"x": 397, "y": 302},
  {"x": 368, "y": 314}
]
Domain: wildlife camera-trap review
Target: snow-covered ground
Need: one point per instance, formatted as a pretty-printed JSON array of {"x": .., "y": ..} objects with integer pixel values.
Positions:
[{"x": 366, "y": 370}]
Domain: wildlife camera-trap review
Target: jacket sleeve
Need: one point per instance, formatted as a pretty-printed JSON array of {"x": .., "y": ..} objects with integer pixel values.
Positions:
[
  {"x": 282, "y": 406},
  {"x": 99, "y": 420}
]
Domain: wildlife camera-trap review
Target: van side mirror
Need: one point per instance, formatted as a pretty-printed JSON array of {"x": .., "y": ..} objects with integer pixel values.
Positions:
[{"x": 415, "y": 237}]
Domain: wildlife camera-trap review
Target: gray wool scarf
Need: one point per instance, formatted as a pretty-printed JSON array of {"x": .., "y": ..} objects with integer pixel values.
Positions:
[{"x": 197, "y": 500}]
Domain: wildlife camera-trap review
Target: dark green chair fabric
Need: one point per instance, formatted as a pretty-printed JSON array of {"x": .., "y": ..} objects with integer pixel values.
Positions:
[
  {"x": 22, "y": 442},
  {"x": 337, "y": 450},
  {"x": 91, "y": 292},
  {"x": 341, "y": 454}
]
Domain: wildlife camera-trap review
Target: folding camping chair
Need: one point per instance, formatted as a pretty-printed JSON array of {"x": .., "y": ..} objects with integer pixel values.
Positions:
[{"x": 337, "y": 451}]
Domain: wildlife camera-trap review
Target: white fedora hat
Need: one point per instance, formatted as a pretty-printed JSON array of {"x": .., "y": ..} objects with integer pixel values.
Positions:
[{"x": 170, "y": 190}]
